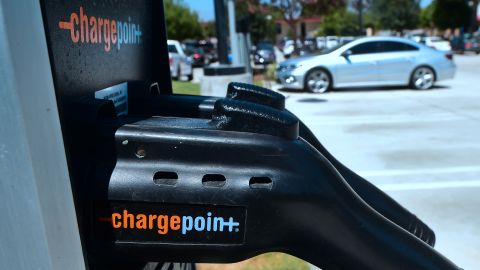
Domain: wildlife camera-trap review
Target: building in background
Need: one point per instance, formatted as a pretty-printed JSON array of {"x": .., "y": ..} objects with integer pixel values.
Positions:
[{"x": 306, "y": 27}]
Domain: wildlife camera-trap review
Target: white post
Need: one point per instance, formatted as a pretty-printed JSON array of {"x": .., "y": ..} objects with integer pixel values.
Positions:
[
  {"x": 248, "y": 45},
  {"x": 38, "y": 227},
  {"x": 233, "y": 33}
]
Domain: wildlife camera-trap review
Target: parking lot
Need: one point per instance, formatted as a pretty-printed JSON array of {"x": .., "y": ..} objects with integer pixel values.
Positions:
[{"x": 421, "y": 147}]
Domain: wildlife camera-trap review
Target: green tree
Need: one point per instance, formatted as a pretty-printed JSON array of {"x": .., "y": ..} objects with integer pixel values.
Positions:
[
  {"x": 339, "y": 23},
  {"x": 426, "y": 16},
  {"x": 262, "y": 27},
  {"x": 182, "y": 23},
  {"x": 451, "y": 14},
  {"x": 473, "y": 16},
  {"x": 209, "y": 29},
  {"x": 324, "y": 7},
  {"x": 260, "y": 16},
  {"x": 396, "y": 15}
]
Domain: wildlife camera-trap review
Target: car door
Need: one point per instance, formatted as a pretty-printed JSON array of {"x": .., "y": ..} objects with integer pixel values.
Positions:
[
  {"x": 396, "y": 62},
  {"x": 358, "y": 65}
]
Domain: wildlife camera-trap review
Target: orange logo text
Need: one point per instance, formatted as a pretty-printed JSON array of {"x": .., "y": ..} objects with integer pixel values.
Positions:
[{"x": 101, "y": 31}]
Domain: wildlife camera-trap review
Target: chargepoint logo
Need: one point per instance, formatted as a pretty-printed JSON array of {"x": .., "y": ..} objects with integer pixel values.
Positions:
[
  {"x": 176, "y": 223},
  {"x": 163, "y": 224},
  {"x": 104, "y": 32}
]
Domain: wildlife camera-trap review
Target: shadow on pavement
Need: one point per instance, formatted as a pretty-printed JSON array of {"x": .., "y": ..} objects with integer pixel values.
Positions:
[
  {"x": 366, "y": 89},
  {"x": 312, "y": 100}
]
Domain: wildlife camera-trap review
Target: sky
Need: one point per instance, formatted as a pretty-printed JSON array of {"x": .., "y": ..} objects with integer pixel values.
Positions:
[{"x": 204, "y": 8}]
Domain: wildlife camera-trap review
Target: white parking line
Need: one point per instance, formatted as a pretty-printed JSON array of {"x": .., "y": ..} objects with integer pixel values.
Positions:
[
  {"x": 461, "y": 169},
  {"x": 379, "y": 120},
  {"x": 429, "y": 185}
]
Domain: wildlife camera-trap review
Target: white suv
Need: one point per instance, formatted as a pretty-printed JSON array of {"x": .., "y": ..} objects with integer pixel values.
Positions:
[{"x": 180, "y": 64}]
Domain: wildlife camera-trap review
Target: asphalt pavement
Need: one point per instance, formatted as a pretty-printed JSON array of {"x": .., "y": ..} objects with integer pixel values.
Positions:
[{"x": 421, "y": 147}]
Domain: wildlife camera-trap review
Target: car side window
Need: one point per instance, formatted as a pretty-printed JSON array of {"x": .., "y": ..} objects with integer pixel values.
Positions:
[
  {"x": 394, "y": 46},
  {"x": 366, "y": 48}
]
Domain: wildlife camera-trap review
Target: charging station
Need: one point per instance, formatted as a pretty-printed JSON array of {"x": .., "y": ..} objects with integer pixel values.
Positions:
[{"x": 157, "y": 177}]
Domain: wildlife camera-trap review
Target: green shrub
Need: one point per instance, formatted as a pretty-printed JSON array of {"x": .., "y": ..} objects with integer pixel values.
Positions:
[{"x": 270, "y": 72}]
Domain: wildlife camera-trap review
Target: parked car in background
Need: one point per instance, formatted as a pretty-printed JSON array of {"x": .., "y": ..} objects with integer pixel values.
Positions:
[
  {"x": 472, "y": 44},
  {"x": 331, "y": 42},
  {"x": 211, "y": 54},
  {"x": 437, "y": 43},
  {"x": 466, "y": 43},
  {"x": 311, "y": 44},
  {"x": 345, "y": 40},
  {"x": 288, "y": 48},
  {"x": 321, "y": 42},
  {"x": 188, "y": 45},
  {"x": 415, "y": 37},
  {"x": 281, "y": 43},
  {"x": 197, "y": 56},
  {"x": 372, "y": 61},
  {"x": 264, "y": 53},
  {"x": 305, "y": 50},
  {"x": 458, "y": 44},
  {"x": 205, "y": 48},
  {"x": 180, "y": 64}
]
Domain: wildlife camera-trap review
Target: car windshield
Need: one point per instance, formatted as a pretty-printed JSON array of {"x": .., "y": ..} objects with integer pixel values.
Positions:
[
  {"x": 206, "y": 46},
  {"x": 265, "y": 46},
  {"x": 189, "y": 46},
  {"x": 334, "y": 48}
]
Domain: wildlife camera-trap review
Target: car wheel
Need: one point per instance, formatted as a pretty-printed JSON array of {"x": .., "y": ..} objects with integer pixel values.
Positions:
[
  {"x": 176, "y": 78},
  {"x": 423, "y": 78},
  {"x": 190, "y": 77},
  {"x": 179, "y": 73},
  {"x": 318, "y": 81}
]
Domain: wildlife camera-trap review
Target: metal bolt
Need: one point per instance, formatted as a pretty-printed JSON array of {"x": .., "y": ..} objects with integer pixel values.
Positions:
[{"x": 141, "y": 152}]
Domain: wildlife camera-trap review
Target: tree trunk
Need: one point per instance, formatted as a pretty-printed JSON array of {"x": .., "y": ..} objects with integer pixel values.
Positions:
[
  {"x": 293, "y": 25},
  {"x": 474, "y": 21}
]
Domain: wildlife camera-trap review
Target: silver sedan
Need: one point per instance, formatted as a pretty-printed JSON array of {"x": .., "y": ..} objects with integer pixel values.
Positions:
[{"x": 365, "y": 62}]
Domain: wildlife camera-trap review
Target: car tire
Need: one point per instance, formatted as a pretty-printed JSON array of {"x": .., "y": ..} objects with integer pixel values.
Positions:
[
  {"x": 317, "y": 81},
  {"x": 190, "y": 77},
  {"x": 179, "y": 74},
  {"x": 422, "y": 78}
]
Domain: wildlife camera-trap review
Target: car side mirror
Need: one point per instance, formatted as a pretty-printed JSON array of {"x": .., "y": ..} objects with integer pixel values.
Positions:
[{"x": 347, "y": 53}]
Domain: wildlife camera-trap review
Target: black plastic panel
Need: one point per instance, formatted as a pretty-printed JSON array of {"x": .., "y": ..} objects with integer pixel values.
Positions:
[{"x": 84, "y": 62}]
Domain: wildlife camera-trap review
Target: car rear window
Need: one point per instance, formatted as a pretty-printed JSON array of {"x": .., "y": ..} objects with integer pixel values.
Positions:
[
  {"x": 206, "y": 46},
  {"x": 172, "y": 49}
]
